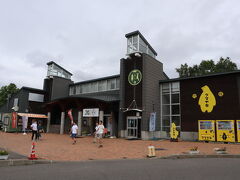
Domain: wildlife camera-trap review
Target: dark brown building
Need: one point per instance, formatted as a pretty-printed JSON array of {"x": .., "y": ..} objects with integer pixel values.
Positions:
[{"x": 140, "y": 102}]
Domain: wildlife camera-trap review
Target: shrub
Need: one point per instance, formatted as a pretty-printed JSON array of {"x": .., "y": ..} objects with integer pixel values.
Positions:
[
  {"x": 220, "y": 149},
  {"x": 195, "y": 148},
  {"x": 3, "y": 152}
]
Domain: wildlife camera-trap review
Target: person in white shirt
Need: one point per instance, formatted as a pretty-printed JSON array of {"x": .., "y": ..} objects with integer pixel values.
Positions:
[
  {"x": 34, "y": 129},
  {"x": 99, "y": 132},
  {"x": 74, "y": 132}
]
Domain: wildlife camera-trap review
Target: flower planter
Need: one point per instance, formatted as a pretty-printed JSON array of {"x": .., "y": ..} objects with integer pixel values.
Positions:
[
  {"x": 193, "y": 152},
  {"x": 3, "y": 157},
  {"x": 221, "y": 152}
]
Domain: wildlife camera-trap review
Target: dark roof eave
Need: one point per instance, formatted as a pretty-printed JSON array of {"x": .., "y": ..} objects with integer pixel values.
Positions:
[
  {"x": 98, "y": 79},
  {"x": 34, "y": 89},
  {"x": 203, "y": 76},
  {"x": 74, "y": 97}
]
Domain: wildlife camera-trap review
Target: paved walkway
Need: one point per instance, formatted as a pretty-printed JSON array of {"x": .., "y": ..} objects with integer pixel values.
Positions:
[{"x": 59, "y": 147}]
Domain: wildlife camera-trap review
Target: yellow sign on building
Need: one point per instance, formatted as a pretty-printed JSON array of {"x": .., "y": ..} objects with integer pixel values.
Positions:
[
  {"x": 238, "y": 130},
  {"x": 207, "y": 100},
  {"x": 173, "y": 131},
  {"x": 206, "y": 130},
  {"x": 225, "y": 130}
]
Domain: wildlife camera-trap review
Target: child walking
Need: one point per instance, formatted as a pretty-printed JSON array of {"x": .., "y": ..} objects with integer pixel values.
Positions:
[{"x": 74, "y": 132}]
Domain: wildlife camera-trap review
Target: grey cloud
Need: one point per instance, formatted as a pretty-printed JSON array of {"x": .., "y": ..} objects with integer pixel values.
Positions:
[
  {"x": 82, "y": 76},
  {"x": 39, "y": 59},
  {"x": 88, "y": 39}
]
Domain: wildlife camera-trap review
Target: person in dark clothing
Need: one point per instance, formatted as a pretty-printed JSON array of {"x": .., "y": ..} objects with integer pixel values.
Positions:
[{"x": 39, "y": 130}]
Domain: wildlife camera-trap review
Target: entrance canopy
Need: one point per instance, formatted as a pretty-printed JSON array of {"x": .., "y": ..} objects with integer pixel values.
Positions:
[{"x": 32, "y": 115}]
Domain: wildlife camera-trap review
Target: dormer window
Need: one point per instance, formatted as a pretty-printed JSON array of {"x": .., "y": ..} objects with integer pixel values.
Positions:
[
  {"x": 137, "y": 43},
  {"x": 56, "y": 70}
]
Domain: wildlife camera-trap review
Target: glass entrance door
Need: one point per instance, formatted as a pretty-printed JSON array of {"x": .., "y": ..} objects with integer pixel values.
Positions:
[{"x": 132, "y": 127}]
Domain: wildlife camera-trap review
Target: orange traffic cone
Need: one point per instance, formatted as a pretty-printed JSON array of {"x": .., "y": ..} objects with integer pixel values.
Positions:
[{"x": 32, "y": 155}]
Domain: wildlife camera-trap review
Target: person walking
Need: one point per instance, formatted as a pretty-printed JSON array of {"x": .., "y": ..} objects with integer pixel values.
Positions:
[
  {"x": 95, "y": 133},
  {"x": 40, "y": 130},
  {"x": 74, "y": 132},
  {"x": 34, "y": 129},
  {"x": 99, "y": 132}
]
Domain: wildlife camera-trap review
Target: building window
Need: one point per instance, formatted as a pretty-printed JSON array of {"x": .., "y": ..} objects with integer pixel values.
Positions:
[
  {"x": 132, "y": 44},
  {"x": 78, "y": 89},
  {"x": 6, "y": 120},
  {"x": 135, "y": 43},
  {"x": 102, "y": 85},
  {"x": 94, "y": 87},
  {"x": 15, "y": 102},
  {"x": 54, "y": 70},
  {"x": 117, "y": 83},
  {"x": 71, "y": 91},
  {"x": 97, "y": 86},
  {"x": 170, "y": 105},
  {"x": 111, "y": 84},
  {"x": 86, "y": 88}
]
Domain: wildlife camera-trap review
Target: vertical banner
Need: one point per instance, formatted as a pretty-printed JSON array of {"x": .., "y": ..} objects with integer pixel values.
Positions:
[
  {"x": 70, "y": 115},
  {"x": 14, "y": 120},
  {"x": 24, "y": 123},
  {"x": 152, "y": 121}
]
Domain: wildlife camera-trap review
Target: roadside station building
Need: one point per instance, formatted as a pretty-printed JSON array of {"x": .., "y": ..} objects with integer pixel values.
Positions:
[{"x": 140, "y": 102}]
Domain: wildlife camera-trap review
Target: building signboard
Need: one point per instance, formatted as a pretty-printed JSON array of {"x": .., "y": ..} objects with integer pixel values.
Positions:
[
  {"x": 135, "y": 77},
  {"x": 152, "y": 122},
  {"x": 91, "y": 112}
]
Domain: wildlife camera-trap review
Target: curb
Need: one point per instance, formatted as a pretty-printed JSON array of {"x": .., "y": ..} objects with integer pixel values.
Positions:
[
  {"x": 19, "y": 162},
  {"x": 188, "y": 156}
]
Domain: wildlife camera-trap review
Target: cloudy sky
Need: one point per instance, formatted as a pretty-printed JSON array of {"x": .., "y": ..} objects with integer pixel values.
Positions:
[{"x": 88, "y": 37}]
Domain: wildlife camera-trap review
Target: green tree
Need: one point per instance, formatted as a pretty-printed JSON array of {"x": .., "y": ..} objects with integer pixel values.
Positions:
[
  {"x": 207, "y": 67},
  {"x": 7, "y": 91},
  {"x": 183, "y": 71},
  {"x": 225, "y": 64}
]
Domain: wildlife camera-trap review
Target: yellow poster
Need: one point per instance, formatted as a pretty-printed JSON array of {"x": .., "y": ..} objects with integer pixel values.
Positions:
[
  {"x": 173, "y": 131},
  {"x": 206, "y": 130},
  {"x": 238, "y": 130},
  {"x": 225, "y": 130}
]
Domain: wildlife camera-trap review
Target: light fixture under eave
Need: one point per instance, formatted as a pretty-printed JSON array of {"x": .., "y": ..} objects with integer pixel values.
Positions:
[
  {"x": 137, "y": 54},
  {"x": 132, "y": 107},
  {"x": 15, "y": 108},
  {"x": 138, "y": 110}
]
